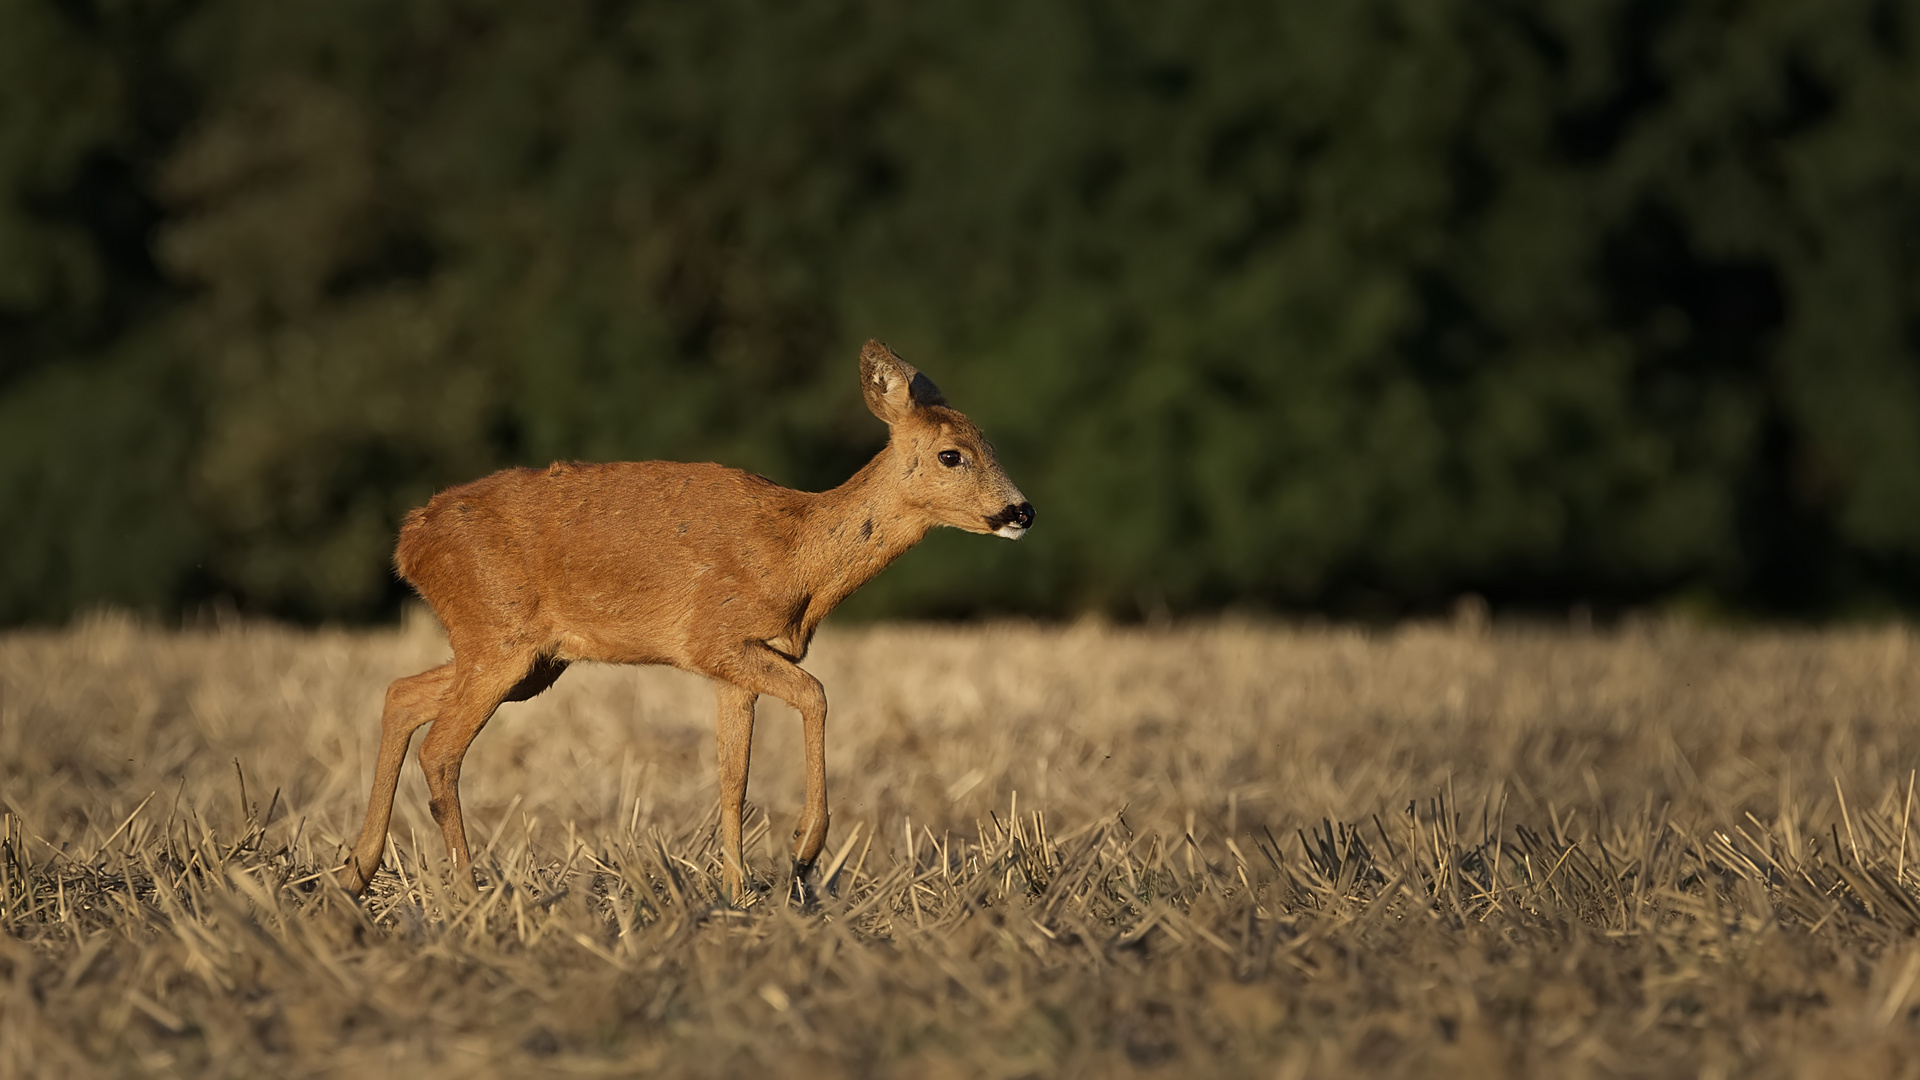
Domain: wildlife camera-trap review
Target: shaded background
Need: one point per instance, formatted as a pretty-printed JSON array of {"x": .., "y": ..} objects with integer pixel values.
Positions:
[{"x": 1301, "y": 306}]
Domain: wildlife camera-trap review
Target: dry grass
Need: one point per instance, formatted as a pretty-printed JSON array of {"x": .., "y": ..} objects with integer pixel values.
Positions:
[{"x": 1219, "y": 850}]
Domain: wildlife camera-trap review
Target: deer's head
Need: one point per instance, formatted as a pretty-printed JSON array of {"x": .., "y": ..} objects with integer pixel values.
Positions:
[{"x": 946, "y": 468}]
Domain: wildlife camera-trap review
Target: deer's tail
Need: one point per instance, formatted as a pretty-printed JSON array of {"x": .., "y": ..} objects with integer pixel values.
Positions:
[{"x": 406, "y": 553}]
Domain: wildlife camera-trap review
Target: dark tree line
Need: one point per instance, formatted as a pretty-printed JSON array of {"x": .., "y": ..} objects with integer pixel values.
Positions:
[{"x": 1348, "y": 307}]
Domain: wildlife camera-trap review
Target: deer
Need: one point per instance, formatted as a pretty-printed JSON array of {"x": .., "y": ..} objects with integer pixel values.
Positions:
[{"x": 710, "y": 569}]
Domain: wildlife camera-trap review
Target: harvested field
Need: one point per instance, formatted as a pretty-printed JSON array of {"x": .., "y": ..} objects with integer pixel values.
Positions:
[{"x": 1220, "y": 849}]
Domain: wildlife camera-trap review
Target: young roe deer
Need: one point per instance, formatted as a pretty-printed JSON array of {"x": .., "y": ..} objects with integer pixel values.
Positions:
[{"x": 710, "y": 569}]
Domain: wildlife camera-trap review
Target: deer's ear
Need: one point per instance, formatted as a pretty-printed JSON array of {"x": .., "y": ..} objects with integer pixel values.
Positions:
[{"x": 892, "y": 387}]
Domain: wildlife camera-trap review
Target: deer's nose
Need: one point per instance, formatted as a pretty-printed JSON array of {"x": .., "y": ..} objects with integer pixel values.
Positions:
[{"x": 1012, "y": 520}]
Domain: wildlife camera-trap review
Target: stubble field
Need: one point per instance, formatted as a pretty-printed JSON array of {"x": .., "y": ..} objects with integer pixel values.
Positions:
[{"x": 1220, "y": 849}]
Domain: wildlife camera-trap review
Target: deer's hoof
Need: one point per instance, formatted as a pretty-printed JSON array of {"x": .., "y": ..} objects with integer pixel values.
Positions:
[
  {"x": 351, "y": 881},
  {"x": 802, "y": 892}
]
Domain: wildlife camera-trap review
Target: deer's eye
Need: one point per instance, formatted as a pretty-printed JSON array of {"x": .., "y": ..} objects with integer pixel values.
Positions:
[{"x": 950, "y": 458}]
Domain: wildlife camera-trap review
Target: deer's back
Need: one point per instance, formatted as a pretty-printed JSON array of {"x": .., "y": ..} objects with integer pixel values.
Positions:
[{"x": 634, "y": 562}]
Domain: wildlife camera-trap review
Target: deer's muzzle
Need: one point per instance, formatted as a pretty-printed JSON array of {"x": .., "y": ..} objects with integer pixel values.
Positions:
[{"x": 1013, "y": 521}]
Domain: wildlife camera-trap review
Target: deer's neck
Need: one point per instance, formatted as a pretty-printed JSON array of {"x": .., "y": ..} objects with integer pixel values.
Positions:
[{"x": 854, "y": 531}]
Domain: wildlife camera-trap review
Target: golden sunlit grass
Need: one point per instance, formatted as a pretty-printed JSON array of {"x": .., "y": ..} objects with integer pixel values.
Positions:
[{"x": 1224, "y": 850}]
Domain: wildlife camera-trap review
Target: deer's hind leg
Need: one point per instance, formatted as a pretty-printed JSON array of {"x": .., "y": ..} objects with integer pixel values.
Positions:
[
  {"x": 734, "y": 736},
  {"x": 476, "y": 692},
  {"x": 411, "y": 703}
]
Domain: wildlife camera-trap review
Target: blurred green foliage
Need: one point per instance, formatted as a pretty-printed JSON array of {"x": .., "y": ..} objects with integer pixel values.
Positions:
[{"x": 1340, "y": 306}]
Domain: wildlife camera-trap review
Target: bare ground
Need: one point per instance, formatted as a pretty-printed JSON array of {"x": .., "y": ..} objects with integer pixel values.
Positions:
[{"x": 1222, "y": 849}]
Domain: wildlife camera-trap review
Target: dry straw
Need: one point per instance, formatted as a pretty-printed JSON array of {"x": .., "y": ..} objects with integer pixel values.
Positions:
[{"x": 1217, "y": 850}]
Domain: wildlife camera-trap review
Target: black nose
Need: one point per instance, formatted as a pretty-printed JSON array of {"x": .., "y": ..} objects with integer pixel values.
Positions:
[{"x": 1021, "y": 515}]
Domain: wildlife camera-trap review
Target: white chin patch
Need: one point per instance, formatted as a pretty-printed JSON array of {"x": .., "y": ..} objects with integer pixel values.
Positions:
[{"x": 1011, "y": 532}]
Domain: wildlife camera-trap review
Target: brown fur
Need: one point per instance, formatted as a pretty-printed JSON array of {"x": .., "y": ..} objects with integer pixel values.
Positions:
[{"x": 704, "y": 567}]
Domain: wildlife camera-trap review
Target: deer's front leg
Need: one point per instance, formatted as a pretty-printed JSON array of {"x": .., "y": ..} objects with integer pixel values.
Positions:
[
  {"x": 810, "y": 835},
  {"x": 735, "y": 738},
  {"x": 760, "y": 670}
]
